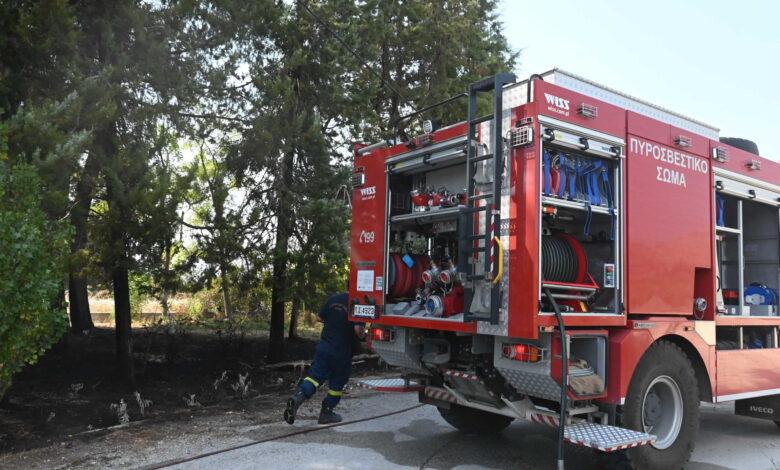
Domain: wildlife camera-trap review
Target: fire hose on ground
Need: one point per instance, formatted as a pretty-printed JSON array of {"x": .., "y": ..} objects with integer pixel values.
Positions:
[{"x": 171, "y": 463}]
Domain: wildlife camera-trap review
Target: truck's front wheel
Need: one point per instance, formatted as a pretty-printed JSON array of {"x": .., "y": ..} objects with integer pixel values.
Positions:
[
  {"x": 472, "y": 421},
  {"x": 663, "y": 399}
]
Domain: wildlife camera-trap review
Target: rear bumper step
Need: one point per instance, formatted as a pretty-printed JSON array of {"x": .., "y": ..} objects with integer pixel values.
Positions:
[
  {"x": 601, "y": 437},
  {"x": 604, "y": 437}
]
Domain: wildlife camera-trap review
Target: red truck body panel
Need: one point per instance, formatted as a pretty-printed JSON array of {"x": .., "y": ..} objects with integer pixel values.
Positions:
[{"x": 669, "y": 243}]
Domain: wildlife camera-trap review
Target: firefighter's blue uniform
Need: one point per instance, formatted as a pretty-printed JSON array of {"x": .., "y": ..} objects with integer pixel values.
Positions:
[{"x": 333, "y": 359}]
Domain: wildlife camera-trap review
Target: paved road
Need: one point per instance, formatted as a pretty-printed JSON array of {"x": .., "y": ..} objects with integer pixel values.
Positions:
[{"x": 420, "y": 439}]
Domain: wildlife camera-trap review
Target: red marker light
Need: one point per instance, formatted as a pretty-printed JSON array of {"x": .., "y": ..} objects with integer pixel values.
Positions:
[
  {"x": 522, "y": 352},
  {"x": 378, "y": 334}
]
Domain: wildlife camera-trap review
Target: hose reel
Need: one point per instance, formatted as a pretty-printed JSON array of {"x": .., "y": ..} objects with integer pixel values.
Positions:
[
  {"x": 403, "y": 280},
  {"x": 563, "y": 259}
]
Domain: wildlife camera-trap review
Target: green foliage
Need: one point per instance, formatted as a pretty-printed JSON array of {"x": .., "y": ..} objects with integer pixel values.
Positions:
[
  {"x": 203, "y": 145},
  {"x": 428, "y": 49},
  {"x": 203, "y": 305},
  {"x": 141, "y": 289},
  {"x": 33, "y": 252}
]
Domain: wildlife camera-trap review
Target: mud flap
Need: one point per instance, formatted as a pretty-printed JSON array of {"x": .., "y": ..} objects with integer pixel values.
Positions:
[{"x": 767, "y": 407}]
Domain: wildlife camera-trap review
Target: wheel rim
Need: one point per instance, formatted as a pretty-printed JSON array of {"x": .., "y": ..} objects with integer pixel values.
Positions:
[{"x": 662, "y": 411}]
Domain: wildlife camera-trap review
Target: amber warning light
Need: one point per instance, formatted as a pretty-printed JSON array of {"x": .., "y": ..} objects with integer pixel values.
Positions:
[{"x": 522, "y": 352}]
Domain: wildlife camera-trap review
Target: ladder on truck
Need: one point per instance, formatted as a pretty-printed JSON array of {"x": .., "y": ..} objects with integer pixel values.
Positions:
[{"x": 488, "y": 202}]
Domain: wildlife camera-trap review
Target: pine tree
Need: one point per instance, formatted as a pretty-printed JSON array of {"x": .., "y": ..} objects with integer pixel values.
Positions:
[
  {"x": 429, "y": 50},
  {"x": 39, "y": 99},
  {"x": 128, "y": 49},
  {"x": 426, "y": 49}
]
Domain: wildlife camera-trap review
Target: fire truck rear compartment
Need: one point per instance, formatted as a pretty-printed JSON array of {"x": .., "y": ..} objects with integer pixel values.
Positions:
[
  {"x": 423, "y": 241},
  {"x": 580, "y": 227},
  {"x": 748, "y": 254},
  {"x": 579, "y": 242}
]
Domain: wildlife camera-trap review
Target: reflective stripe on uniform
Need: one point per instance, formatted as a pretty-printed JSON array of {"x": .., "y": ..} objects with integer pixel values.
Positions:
[
  {"x": 309, "y": 379},
  {"x": 335, "y": 393}
]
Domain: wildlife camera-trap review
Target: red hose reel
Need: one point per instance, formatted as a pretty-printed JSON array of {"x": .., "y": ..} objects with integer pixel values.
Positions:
[
  {"x": 565, "y": 266},
  {"x": 404, "y": 280}
]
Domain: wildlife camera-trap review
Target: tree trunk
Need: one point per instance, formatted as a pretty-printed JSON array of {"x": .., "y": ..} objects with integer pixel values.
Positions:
[
  {"x": 309, "y": 316},
  {"x": 124, "y": 326},
  {"x": 5, "y": 399},
  {"x": 294, "y": 314},
  {"x": 228, "y": 305},
  {"x": 284, "y": 217},
  {"x": 120, "y": 277},
  {"x": 78, "y": 295},
  {"x": 166, "y": 308},
  {"x": 119, "y": 262},
  {"x": 165, "y": 291}
]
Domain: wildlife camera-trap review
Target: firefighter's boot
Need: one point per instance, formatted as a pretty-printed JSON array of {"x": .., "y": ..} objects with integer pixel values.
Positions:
[
  {"x": 327, "y": 416},
  {"x": 293, "y": 403}
]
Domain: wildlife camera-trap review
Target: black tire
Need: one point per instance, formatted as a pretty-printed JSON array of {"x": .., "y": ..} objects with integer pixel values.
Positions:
[
  {"x": 472, "y": 421},
  {"x": 663, "y": 367}
]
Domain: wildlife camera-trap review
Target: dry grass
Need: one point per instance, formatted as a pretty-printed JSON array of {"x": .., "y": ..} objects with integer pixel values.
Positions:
[
  {"x": 178, "y": 305},
  {"x": 102, "y": 306}
]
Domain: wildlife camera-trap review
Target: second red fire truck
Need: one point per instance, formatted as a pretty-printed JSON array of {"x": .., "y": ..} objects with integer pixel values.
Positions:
[{"x": 578, "y": 258}]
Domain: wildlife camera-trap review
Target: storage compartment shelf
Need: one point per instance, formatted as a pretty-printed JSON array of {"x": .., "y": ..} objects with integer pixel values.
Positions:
[
  {"x": 551, "y": 201},
  {"x": 455, "y": 318},
  {"x": 728, "y": 230},
  {"x": 449, "y": 324},
  {"x": 427, "y": 216},
  {"x": 433, "y": 157}
]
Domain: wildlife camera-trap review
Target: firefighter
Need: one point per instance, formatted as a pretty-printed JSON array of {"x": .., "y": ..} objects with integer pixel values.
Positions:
[{"x": 332, "y": 361}]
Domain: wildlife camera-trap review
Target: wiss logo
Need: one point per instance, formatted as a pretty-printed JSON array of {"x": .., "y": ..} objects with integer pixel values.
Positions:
[
  {"x": 370, "y": 191},
  {"x": 555, "y": 101}
]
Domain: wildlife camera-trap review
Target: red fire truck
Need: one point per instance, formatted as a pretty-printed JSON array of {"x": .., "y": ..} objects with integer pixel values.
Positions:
[{"x": 575, "y": 257}]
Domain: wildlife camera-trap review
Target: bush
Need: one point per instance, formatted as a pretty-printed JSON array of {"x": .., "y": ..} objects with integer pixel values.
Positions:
[
  {"x": 204, "y": 305},
  {"x": 33, "y": 251}
]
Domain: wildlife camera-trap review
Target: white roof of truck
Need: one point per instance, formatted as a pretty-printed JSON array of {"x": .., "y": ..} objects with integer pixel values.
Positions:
[{"x": 587, "y": 87}]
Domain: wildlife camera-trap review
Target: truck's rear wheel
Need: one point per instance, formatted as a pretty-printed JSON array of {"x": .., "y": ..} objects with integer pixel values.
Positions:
[
  {"x": 472, "y": 421},
  {"x": 663, "y": 399}
]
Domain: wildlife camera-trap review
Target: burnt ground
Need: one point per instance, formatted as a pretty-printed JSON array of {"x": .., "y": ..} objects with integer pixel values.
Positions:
[{"x": 70, "y": 391}]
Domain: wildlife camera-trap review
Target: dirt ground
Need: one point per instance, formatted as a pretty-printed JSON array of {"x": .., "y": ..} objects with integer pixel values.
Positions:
[
  {"x": 72, "y": 391},
  {"x": 145, "y": 444}
]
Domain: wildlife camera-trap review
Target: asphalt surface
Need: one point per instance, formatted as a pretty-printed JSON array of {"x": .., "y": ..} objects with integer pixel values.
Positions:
[{"x": 420, "y": 439}]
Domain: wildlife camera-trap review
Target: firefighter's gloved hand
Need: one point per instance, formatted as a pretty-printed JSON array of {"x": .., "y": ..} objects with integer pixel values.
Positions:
[{"x": 360, "y": 332}]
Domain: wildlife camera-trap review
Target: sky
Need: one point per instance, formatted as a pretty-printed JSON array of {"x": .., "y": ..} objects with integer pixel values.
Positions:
[{"x": 714, "y": 61}]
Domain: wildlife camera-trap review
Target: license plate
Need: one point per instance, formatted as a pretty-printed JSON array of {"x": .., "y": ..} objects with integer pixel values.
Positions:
[{"x": 365, "y": 311}]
